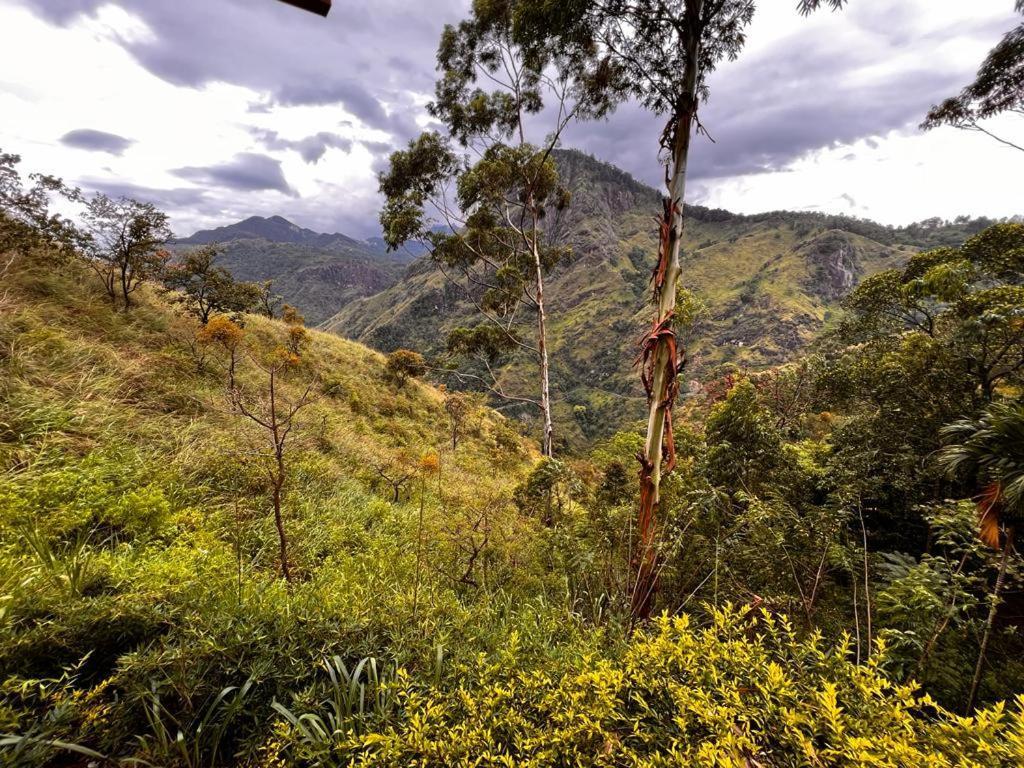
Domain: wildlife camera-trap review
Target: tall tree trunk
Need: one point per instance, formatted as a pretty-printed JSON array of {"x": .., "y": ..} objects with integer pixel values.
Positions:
[
  {"x": 125, "y": 282},
  {"x": 940, "y": 625},
  {"x": 660, "y": 355},
  {"x": 542, "y": 350},
  {"x": 867, "y": 577},
  {"x": 990, "y": 621}
]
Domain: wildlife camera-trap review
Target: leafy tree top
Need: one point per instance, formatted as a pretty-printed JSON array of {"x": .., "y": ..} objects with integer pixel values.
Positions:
[{"x": 998, "y": 87}]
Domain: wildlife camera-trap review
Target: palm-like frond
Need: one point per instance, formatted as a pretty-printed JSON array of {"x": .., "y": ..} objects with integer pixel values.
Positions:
[{"x": 990, "y": 451}]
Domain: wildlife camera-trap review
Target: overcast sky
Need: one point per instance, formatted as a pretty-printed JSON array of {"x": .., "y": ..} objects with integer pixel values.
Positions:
[{"x": 221, "y": 109}]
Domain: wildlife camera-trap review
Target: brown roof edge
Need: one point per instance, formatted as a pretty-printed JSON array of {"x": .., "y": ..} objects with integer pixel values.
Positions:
[{"x": 322, "y": 7}]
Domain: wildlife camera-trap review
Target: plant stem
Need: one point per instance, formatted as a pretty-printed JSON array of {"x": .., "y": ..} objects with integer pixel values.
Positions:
[
  {"x": 990, "y": 622},
  {"x": 419, "y": 550}
]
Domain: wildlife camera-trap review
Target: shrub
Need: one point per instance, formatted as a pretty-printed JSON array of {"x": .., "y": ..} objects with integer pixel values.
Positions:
[
  {"x": 741, "y": 691},
  {"x": 113, "y": 493},
  {"x": 402, "y": 365}
]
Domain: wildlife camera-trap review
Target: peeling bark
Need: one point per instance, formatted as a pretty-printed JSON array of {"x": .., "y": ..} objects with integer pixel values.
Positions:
[{"x": 660, "y": 358}]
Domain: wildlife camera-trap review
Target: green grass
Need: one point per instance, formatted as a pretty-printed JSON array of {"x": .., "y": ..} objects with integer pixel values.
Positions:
[{"x": 136, "y": 538}]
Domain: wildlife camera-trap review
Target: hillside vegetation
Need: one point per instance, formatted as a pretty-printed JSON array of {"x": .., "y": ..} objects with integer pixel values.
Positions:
[
  {"x": 137, "y": 535},
  {"x": 771, "y": 283},
  {"x": 228, "y": 540},
  {"x": 446, "y": 598}
]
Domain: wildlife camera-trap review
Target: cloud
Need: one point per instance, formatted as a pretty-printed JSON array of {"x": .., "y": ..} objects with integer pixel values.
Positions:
[
  {"x": 853, "y": 76},
  {"x": 179, "y": 196},
  {"x": 96, "y": 141},
  {"x": 773, "y": 109},
  {"x": 294, "y": 58},
  {"x": 361, "y": 79},
  {"x": 319, "y": 92},
  {"x": 246, "y": 172},
  {"x": 311, "y": 149},
  {"x": 63, "y": 11}
]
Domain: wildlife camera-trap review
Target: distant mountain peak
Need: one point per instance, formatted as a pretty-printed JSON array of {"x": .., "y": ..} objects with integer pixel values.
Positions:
[{"x": 274, "y": 229}]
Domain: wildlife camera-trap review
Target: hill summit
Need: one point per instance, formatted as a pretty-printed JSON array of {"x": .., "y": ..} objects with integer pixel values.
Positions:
[
  {"x": 276, "y": 229},
  {"x": 317, "y": 272}
]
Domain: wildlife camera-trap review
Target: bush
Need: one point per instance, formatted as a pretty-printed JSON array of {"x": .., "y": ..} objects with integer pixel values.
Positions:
[
  {"x": 741, "y": 691},
  {"x": 113, "y": 492},
  {"x": 402, "y": 365}
]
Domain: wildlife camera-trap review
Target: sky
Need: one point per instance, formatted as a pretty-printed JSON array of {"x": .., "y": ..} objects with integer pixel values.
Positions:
[{"x": 220, "y": 109}]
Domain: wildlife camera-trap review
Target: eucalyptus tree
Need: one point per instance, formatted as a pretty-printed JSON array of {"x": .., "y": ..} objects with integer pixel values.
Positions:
[
  {"x": 478, "y": 197},
  {"x": 663, "y": 51}
]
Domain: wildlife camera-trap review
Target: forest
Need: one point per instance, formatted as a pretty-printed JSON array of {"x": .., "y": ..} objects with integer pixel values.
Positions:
[{"x": 229, "y": 537}]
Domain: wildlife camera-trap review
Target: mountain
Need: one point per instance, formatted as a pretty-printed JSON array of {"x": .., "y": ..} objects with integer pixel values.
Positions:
[
  {"x": 275, "y": 229},
  {"x": 771, "y": 283},
  {"x": 316, "y": 272}
]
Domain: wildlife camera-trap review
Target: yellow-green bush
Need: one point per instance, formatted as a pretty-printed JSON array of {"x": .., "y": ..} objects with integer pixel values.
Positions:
[{"x": 742, "y": 690}]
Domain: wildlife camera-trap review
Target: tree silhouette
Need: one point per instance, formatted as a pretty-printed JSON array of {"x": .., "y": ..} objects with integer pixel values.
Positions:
[
  {"x": 998, "y": 88},
  {"x": 125, "y": 244}
]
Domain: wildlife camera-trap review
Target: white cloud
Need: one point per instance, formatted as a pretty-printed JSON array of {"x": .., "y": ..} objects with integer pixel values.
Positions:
[
  {"x": 94, "y": 83},
  {"x": 827, "y": 101},
  {"x": 894, "y": 179}
]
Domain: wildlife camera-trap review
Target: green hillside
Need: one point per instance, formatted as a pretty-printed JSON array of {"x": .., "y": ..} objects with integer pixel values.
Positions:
[
  {"x": 472, "y": 617},
  {"x": 119, "y": 452},
  {"x": 771, "y": 283},
  {"x": 279, "y": 498}
]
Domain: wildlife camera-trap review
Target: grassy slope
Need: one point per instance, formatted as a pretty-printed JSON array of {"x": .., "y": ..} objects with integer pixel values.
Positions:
[
  {"x": 99, "y": 372},
  {"x": 108, "y": 432}
]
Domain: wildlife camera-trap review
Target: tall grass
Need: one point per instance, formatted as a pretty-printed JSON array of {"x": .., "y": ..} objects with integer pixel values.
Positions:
[
  {"x": 353, "y": 697},
  {"x": 195, "y": 743},
  {"x": 66, "y": 568}
]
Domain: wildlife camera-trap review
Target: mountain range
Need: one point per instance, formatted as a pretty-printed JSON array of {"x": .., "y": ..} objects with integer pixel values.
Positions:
[
  {"x": 318, "y": 273},
  {"x": 771, "y": 282}
]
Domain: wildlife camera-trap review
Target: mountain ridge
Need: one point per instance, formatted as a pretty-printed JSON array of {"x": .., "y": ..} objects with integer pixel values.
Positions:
[
  {"x": 771, "y": 281},
  {"x": 317, "y": 272},
  {"x": 276, "y": 229}
]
